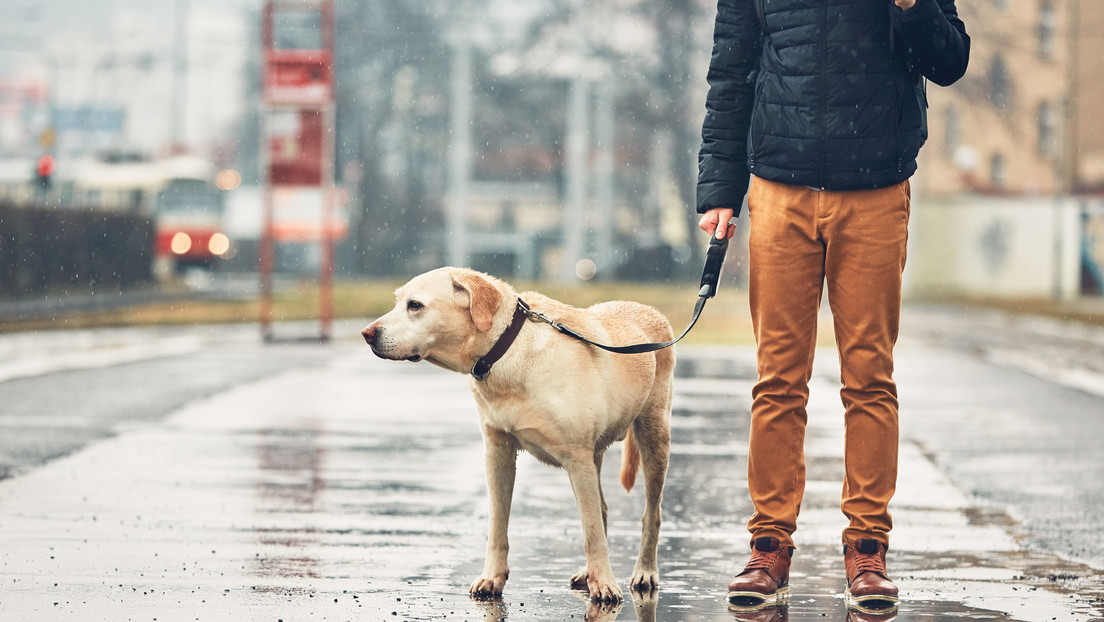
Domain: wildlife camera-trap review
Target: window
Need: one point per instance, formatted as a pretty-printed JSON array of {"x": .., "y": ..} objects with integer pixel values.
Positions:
[
  {"x": 1000, "y": 83},
  {"x": 1047, "y": 30},
  {"x": 1047, "y": 121}
]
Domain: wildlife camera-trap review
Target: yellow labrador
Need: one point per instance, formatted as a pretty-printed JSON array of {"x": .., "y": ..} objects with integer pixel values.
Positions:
[{"x": 559, "y": 399}]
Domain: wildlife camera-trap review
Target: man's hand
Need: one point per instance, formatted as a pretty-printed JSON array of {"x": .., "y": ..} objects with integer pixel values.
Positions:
[
  {"x": 715, "y": 223},
  {"x": 905, "y": 5}
]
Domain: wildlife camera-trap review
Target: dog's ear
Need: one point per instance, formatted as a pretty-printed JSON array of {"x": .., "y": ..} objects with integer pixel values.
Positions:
[{"x": 483, "y": 298}]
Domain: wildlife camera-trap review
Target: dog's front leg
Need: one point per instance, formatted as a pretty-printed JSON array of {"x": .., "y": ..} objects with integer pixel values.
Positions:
[
  {"x": 501, "y": 463},
  {"x": 583, "y": 472}
]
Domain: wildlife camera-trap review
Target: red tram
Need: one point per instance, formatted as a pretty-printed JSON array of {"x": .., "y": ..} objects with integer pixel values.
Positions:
[{"x": 178, "y": 194}]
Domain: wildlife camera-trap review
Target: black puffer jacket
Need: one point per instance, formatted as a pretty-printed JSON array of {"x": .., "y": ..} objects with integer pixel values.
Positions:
[{"x": 826, "y": 99}]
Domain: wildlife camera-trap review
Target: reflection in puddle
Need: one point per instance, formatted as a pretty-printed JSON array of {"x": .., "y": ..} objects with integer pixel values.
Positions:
[
  {"x": 645, "y": 603},
  {"x": 290, "y": 467},
  {"x": 494, "y": 609},
  {"x": 773, "y": 613},
  {"x": 871, "y": 615},
  {"x": 642, "y": 603}
]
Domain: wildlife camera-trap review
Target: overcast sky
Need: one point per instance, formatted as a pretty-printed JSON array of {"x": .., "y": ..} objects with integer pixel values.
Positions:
[
  {"x": 38, "y": 17},
  {"x": 29, "y": 24},
  {"x": 118, "y": 53}
]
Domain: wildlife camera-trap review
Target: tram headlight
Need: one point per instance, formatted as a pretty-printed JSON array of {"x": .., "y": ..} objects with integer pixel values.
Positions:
[
  {"x": 181, "y": 243},
  {"x": 218, "y": 244}
]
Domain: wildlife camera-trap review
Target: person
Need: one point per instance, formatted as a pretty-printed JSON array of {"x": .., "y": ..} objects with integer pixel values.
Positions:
[{"x": 816, "y": 111}]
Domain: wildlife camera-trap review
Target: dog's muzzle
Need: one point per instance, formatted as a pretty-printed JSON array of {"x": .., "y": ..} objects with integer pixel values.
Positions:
[{"x": 373, "y": 336}]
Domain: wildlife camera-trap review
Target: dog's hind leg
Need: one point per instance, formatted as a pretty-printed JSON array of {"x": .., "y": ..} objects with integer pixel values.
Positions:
[
  {"x": 653, "y": 439},
  {"x": 583, "y": 471}
]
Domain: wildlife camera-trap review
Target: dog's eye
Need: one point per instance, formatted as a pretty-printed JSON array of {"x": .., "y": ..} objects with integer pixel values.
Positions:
[{"x": 414, "y": 305}]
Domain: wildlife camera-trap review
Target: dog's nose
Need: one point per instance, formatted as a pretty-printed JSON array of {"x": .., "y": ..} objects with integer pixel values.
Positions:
[{"x": 369, "y": 334}]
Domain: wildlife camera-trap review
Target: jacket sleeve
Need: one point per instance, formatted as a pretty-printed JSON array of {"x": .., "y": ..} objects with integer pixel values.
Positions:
[
  {"x": 935, "y": 40},
  {"x": 722, "y": 162}
]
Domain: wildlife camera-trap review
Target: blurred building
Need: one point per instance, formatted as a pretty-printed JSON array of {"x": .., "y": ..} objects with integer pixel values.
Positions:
[
  {"x": 138, "y": 78},
  {"x": 1023, "y": 121},
  {"x": 22, "y": 111},
  {"x": 1087, "y": 148},
  {"x": 1010, "y": 191}
]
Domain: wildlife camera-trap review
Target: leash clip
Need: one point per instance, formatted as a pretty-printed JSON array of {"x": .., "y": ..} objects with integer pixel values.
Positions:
[{"x": 537, "y": 316}]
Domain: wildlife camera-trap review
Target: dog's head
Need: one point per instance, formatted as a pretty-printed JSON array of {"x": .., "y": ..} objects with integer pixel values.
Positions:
[{"x": 445, "y": 316}]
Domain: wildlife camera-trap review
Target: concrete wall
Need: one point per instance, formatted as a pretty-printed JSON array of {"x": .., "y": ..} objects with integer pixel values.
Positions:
[{"x": 994, "y": 247}]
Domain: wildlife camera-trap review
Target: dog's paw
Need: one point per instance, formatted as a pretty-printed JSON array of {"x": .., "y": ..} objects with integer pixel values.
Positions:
[
  {"x": 644, "y": 579},
  {"x": 600, "y": 589},
  {"x": 597, "y": 611},
  {"x": 487, "y": 587},
  {"x": 604, "y": 591}
]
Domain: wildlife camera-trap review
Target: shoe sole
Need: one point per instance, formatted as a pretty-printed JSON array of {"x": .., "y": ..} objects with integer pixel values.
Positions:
[
  {"x": 751, "y": 601},
  {"x": 871, "y": 603}
]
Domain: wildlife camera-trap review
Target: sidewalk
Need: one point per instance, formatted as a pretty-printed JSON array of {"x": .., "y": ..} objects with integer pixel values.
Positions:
[{"x": 357, "y": 492}]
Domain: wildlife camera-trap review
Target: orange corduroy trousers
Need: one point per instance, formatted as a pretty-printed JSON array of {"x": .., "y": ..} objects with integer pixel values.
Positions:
[{"x": 853, "y": 242}]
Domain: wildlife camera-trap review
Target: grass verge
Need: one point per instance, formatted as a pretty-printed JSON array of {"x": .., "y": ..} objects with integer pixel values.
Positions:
[{"x": 724, "y": 321}]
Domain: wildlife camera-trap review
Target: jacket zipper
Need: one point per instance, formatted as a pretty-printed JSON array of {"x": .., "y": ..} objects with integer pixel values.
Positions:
[
  {"x": 900, "y": 100},
  {"x": 751, "y": 121},
  {"x": 823, "y": 129},
  {"x": 897, "y": 133}
]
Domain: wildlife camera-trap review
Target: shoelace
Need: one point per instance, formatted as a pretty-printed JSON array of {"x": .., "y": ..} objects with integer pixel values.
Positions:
[
  {"x": 868, "y": 563},
  {"x": 762, "y": 560}
]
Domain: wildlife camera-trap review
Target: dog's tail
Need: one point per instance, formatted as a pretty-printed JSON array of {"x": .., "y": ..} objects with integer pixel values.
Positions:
[{"x": 630, "y": 461}]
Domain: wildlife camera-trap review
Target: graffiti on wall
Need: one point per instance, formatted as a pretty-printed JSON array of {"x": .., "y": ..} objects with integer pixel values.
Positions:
[
  {"x": 1092, "y": 249},
  {"x": 994, "y": 245}
]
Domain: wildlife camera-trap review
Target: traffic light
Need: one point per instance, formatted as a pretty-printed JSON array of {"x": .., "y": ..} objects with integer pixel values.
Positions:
[{"x": 44, "y": 171}]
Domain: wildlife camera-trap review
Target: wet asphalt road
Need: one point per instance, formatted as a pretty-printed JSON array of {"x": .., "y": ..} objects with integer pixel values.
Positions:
[{"x": 200, "y": 475}]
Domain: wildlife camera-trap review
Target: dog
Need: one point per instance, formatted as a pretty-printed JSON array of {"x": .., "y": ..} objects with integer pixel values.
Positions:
[{"x": 563, "y": 401}]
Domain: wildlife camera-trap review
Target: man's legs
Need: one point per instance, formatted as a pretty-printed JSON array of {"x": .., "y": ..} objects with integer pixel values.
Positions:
[{"x": 857, "y": 241}]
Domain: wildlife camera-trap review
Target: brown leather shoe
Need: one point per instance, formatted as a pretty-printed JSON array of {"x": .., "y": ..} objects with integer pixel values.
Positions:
[
  {"x": 868, "y": 585},
  {"x": 765, "y": 580}
]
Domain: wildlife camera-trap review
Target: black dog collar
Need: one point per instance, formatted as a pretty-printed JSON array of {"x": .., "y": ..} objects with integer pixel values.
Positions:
[{"x": 483, "y": 366}]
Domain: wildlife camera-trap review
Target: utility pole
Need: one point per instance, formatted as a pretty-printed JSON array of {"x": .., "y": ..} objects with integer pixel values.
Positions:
[
  {"x": 603, "y": 168},
  {"x": 460, "y": 150},
  {"x": 180, "y": 73},
  {"x": 298, "y": 113},
  {"x": 577, "y": 149}
]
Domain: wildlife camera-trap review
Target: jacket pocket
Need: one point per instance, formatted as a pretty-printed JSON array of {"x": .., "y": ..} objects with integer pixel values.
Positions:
[{"x": 911, "y": 119}]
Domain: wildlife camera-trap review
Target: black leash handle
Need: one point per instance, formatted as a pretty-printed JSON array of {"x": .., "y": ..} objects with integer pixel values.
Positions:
[
  {"x": 714, "y": 261},
  {"x": 711, "y": 276}
]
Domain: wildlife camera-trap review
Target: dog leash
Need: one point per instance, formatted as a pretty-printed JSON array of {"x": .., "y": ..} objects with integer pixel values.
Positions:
[
  {"x": 711, "y": 275},
  {"x": 714, "y": 259}
]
